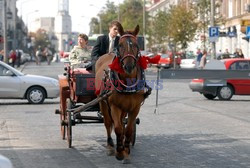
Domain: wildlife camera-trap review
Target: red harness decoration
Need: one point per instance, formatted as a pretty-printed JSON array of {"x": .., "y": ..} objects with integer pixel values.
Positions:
[
  {"x": 144, "y": 61},
  {"x": 115, "y": 66}
]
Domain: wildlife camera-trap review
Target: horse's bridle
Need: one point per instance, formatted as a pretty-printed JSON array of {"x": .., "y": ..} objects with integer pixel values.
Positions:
[{"x": 135, "y": 56}]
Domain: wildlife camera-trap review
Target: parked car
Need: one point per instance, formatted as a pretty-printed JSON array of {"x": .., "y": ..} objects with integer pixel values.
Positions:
[
  {"x": 16, "y": 85},
  {"x": 167, "y": 60},
  {"x": 232, "y": 86},
  {"x": 188, "y": 62},
  {"x": 226, "y": 56}
]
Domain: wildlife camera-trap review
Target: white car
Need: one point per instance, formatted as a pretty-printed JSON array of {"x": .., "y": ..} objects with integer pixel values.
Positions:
[
  {"x": 189, "y": 62},
  {"x": 16, "y": 85}
]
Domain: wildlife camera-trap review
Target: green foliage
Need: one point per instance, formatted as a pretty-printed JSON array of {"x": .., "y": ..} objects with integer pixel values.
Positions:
[
  {"x": 41, "y": 38},
  {"x": 158, "y": 33},
  {"x": 129, "y": 13},
  {"x": 94, "y": 26},
  {"x": 181, "y": 27}
]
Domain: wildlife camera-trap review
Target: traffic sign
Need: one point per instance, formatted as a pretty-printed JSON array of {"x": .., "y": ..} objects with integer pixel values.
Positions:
[
  {"x": 248, "y": 32},
  {"x": 213, "y": 34}
]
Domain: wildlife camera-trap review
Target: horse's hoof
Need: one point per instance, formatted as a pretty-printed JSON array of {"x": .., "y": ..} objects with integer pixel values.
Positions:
[
  {"x": 110, "y": 152},
  {"x": 126, "y": 161},
  {"x": 119, "y": 156}
]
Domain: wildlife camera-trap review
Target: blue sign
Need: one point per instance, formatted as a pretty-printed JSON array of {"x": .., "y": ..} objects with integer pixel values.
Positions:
[
  {"x": 214, "y": 32},
  {"x": 248, "y": 32}
]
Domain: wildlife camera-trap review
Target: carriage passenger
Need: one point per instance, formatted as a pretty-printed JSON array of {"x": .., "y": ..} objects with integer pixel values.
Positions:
[{"x": 80, "y": 56}]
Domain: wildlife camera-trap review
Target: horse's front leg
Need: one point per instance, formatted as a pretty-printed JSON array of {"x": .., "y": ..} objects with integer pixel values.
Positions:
[
  {"x": 118, "y": 125},
  {"x": 108, "y": 124},
  {"x": 129, "y": 132}
]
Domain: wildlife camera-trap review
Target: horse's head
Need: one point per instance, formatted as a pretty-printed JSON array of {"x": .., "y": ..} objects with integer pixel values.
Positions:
[{"x": 128, "y": 49}]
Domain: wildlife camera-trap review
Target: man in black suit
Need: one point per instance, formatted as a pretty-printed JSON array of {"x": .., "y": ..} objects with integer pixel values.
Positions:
[{"x": 106, "y": 43}]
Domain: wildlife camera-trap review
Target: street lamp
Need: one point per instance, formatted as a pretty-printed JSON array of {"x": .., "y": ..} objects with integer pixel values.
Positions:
[{"x": 100, "y": 24}]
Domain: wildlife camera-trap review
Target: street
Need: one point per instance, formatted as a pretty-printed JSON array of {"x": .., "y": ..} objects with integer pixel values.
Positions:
[{"x": 187, "y": 131}]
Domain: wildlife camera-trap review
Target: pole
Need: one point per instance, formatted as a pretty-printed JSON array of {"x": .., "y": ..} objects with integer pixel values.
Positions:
[
  {"x": 144, "y": 25},
  {"x": 212, "y": 25},
  {"x": 118, "y": 11},
  {"x": 14, "y": 37},
  {"x": 5, "y": 47},
  {"x": 157, "y": 89}
]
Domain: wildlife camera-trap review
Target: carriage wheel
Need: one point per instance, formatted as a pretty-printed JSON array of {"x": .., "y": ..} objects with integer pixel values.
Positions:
[
  {"x": 63, "y": 129},
  {"x": 69, "y": 125}
]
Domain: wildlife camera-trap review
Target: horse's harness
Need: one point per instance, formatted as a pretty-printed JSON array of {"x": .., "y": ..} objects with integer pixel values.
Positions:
[
  {"x": 112, "y": 77},
  {"x": 135, "y": 55}
]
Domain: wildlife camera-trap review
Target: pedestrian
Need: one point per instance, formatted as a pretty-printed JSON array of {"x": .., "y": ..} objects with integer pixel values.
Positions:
[
  {"x": 236, "y": 53},
  {"x": 226, "y": 52},
  {"x": 106, "y": 43},
  {"x": 79, "y": 56},
  {"x": 39, "y": 55},
  {"x": 240, "y": 54},
  {"x": 198, "y": 59},
  {"x": 1, "y": 55},
  {"x": 19, "y": 56},
  {"x": 48, "y": 54},
  {"x": 12, "y": 58},
  {"x": 203, "y": 59}
]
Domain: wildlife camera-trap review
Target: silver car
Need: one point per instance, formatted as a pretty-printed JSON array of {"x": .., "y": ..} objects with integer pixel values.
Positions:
[{"x": 16, "y": 85}]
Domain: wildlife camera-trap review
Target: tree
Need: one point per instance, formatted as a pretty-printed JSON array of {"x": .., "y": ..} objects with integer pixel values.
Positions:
[
  {"x": 130, "y": 14},
  {"x": 202, "y": 9},
  {"x": 41, "y": 38},
  {"x": 106, "y": 15},
  {"x": 158, "y": 31},
  {"x": 182, "y": 26}
]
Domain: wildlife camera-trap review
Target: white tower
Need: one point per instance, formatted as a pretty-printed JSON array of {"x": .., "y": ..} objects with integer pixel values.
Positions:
[{"x": 63, "y": 25}]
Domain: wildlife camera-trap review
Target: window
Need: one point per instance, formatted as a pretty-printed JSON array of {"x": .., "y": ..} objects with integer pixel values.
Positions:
[
  {"x": 3, "y": 71},
  {"x": 240, "y": 65}
]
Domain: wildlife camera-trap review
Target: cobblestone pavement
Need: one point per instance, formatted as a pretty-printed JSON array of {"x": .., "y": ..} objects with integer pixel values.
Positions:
[{"x": 187, "y": 131}]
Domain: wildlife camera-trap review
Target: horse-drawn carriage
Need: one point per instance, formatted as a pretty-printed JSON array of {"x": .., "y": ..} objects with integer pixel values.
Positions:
[
  {"x": 120, "y": 85},
  {"x": 77, "y": 99}
]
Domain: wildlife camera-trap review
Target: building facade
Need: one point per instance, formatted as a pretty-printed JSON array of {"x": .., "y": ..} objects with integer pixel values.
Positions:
[
  {"x": 63, "y": 25},
  {"x": 237, "y": 18},
  {"x": 11, "y": 20},
  {"x": 236, "y": 15}
]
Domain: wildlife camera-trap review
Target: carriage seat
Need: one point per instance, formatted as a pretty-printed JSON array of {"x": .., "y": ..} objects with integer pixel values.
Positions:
[{"x": 80, "y": 71}]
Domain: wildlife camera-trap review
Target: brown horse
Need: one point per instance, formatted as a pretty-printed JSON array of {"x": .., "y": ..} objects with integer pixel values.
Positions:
[{"x": 126, "y": 97}]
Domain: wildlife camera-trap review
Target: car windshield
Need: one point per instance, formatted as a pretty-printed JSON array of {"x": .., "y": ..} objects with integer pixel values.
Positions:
[
  {"x": 190, "y": 55},
  {"x": 12, "y": 69},
  {"x": 164, "y": 56}
]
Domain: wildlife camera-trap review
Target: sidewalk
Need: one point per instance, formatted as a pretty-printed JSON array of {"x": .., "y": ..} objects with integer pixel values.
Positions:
[{"x": 22, "y": 66}]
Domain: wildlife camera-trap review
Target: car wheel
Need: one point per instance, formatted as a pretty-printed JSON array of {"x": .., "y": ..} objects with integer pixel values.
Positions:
[
  {"x": 36, "y": 95},
  {"x": 209, "y": 96},
  {"x": 225, "y": 92}
]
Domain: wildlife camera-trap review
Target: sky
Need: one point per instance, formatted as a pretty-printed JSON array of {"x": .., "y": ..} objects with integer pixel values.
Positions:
[{"x": 81, "y": 11}]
